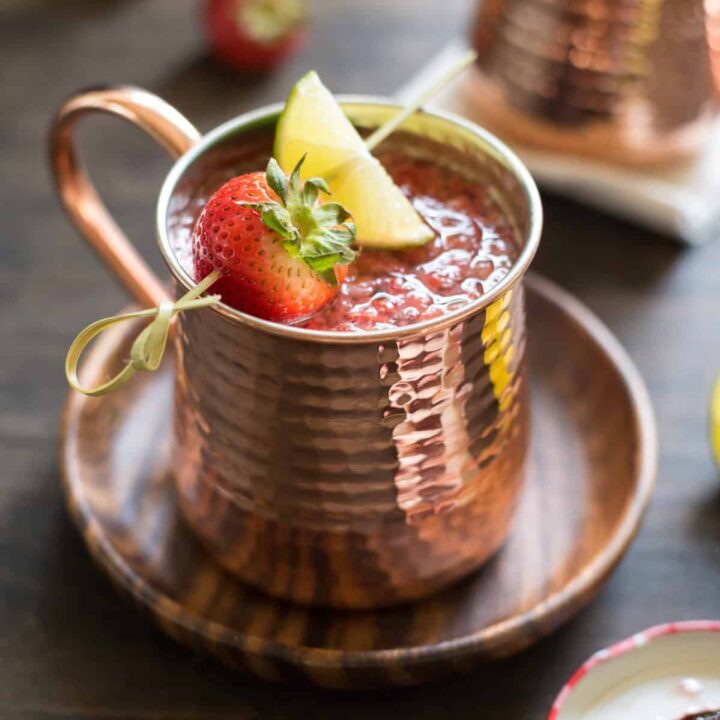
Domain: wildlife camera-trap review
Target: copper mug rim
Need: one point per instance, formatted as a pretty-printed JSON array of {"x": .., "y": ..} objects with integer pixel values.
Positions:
[{"x": 267, "y": 115}]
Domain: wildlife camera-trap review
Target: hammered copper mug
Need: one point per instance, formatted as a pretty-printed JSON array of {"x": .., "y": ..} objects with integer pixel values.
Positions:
[
  {"x": 343, "y": 469},
  {"x": 628, "y": 81}
]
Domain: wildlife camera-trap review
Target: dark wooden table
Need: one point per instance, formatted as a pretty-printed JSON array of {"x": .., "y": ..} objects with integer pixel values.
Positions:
[{"x": 69, "y": 646}]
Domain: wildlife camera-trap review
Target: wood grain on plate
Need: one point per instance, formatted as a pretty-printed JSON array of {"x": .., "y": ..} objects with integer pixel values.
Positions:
[{"x": 591, "y": 474}]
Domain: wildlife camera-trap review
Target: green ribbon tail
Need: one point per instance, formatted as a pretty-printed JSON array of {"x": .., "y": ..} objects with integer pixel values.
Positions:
[{"x": 148, "y": 347}]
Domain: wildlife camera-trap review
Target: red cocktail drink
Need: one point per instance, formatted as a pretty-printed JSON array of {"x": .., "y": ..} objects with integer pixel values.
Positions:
[{"x": 473, "y": 249}]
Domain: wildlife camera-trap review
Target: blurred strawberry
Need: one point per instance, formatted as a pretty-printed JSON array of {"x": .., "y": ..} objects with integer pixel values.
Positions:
[{"x": 254, "y": 35}]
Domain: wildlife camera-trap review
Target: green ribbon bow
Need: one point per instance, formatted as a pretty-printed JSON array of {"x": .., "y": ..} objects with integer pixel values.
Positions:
[{"x": 149, "y": 346}]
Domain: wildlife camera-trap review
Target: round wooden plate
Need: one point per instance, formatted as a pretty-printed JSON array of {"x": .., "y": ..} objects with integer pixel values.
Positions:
[{"x": 591, "y": 475}]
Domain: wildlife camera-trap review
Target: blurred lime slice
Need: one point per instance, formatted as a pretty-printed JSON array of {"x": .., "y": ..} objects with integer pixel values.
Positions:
[
  {"x": 313, "y": 124},
  {"x": 715, "y": 422}
]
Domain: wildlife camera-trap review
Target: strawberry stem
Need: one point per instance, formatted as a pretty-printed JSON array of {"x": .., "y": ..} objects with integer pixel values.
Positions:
[{"x": 321, "y": 234}]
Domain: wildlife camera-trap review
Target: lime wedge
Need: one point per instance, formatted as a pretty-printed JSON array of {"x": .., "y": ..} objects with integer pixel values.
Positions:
[
  {"x": 383, "y": 215},
  {"x": 313, "y": 124}
]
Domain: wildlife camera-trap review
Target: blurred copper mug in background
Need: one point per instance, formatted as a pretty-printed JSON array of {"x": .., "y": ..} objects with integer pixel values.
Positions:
[
  {"x": 343, "y": 469},
  {"x": 630, "y": 81}
]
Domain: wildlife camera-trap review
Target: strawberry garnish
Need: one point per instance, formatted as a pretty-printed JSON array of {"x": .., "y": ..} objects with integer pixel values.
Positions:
[
  {"x": 254, "y": 35},
  {"x": 282, "y": 253}
]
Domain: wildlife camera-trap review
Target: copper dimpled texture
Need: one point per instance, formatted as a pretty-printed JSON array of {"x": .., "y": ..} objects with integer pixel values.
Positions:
[
  {"x": 352, "y": 475},
  {"x": 364, "y": 472},
  {"x": 629, "y": 81}
]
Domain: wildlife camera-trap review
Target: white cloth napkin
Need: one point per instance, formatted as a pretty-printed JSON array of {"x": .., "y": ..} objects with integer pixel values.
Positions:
[{"x": 682, "y": 201}]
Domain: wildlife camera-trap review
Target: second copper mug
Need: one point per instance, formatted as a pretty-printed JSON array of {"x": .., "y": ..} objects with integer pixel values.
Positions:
[
  {"x": 345, "y": 469},
  {"x": 627, "y": 81}
]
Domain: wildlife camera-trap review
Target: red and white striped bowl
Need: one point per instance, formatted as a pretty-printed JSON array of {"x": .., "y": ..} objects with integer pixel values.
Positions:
[{"x": 674, "y": 651}]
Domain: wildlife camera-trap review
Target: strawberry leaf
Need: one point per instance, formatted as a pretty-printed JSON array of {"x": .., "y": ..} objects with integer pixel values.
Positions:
[
  {"x": 276, "y": 217},
  {"x": 294, "y": 183},
  {"x": 309, "y": 195},
  {"x": 318, "y": 183},
  {"x": 329, "y": 277},
  {"x": 331, "y": 214},
  {"x": 277, "y": 180},
  {"x": 321, "y": 263}
]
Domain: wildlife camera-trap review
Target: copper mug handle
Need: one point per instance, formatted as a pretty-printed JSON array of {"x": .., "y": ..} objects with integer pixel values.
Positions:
[{"x": 82, "y": 202}]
